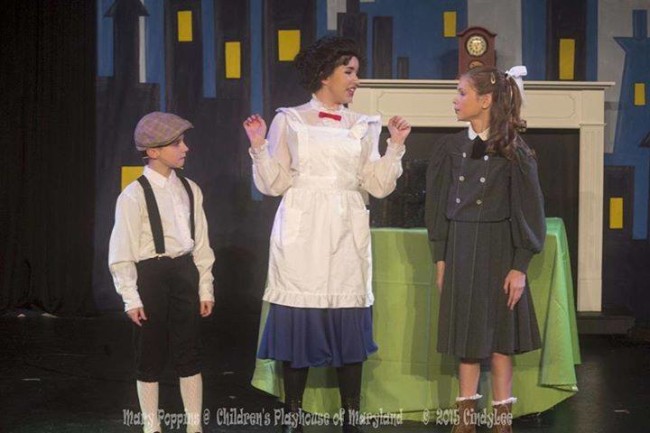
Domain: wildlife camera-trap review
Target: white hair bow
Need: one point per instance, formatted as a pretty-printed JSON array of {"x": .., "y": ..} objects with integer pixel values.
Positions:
[{"x": 517, "y": 72}]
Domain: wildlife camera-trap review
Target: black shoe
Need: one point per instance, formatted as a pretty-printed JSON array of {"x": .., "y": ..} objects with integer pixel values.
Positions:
[
  {"x": 293, "y": 408},
  {"x": 351, "y": 414}
]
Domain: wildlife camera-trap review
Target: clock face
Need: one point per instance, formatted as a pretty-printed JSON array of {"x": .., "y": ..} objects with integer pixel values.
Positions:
[{"x": 476, "y": 45}]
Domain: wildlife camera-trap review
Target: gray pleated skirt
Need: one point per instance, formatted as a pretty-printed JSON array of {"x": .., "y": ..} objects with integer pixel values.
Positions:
[{"x": 474, "y": 319}]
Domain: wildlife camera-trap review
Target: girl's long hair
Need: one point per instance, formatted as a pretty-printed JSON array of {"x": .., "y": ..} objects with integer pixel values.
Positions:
[{"x": 505, "y": 113}]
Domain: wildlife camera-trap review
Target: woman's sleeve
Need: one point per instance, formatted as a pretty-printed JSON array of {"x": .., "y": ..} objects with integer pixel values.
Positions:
[
  {"x": 527, "y": 210},
  {"x": 438, "y": 182},
  {"x": 272, "y": 163},
  {"x": 379, "y": 174}
]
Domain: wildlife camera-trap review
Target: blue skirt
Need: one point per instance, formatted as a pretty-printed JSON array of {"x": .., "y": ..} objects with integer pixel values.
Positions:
[{"x": 317, "y": 337}]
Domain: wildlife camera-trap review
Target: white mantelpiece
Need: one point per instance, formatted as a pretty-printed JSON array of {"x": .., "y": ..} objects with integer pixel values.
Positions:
[{"x": 549, "y": 105}]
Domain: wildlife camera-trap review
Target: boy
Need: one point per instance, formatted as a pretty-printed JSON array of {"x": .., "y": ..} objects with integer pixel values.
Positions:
[{"x": 161, "y": 262}]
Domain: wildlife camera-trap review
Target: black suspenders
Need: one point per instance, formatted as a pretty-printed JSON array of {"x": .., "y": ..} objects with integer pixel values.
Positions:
[
  {"x": 186, "y": 184},
  {"x": 154, "y": 214}
]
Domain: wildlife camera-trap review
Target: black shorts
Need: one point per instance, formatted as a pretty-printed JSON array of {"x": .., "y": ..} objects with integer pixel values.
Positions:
[{"x": 169, "y": 290}]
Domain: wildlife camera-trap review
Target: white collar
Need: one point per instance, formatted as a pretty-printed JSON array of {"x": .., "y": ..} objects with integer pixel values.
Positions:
[
  {"x": 318, "y": 105},
  {"x": 157, "y": 178},
  {"x": 473, "y": 134}
]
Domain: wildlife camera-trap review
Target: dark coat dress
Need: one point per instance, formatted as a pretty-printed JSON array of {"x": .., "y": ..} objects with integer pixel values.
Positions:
[{"x": 484, "y": 216}]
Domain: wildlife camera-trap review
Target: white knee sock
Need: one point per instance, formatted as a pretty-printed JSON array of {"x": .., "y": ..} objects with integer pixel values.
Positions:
[
  {"x": 148, "y": 396},
  {"x": 192, "y": 394}
]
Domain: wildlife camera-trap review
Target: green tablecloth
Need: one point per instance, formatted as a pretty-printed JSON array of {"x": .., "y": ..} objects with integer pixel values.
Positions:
[{"x": 407, "y": 373}]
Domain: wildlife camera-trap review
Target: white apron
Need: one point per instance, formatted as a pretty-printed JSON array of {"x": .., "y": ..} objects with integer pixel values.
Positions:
[{"x": 320, "y": 254}]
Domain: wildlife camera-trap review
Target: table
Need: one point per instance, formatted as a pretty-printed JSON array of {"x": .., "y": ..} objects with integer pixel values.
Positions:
[{"x": 407, "y": 373}]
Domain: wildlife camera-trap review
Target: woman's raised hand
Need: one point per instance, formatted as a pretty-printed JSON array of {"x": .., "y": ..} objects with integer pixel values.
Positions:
[
  {"x": 255, "y": 130},
  {"x": 399, "y": 129}
]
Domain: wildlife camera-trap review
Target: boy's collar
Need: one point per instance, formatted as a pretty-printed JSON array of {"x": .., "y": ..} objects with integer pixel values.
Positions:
[{"x": 157, "y": 178}]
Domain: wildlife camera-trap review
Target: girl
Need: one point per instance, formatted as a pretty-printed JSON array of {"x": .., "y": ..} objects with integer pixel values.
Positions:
[
  {"x": 323, "y": 159},
  {"x": 485, "y": 219}
]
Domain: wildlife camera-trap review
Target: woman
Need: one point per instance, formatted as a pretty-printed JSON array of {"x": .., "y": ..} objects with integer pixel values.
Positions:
[
  {"x": 323, "y": 159},
  {"x": 485, "y": 218}
]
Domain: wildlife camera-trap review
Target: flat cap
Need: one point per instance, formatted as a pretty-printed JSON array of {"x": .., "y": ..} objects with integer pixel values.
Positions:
[{"x": 159, "y": 129}]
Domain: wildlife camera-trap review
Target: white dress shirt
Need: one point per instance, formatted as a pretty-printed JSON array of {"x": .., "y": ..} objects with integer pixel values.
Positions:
[{"x": 132, "y": 239}]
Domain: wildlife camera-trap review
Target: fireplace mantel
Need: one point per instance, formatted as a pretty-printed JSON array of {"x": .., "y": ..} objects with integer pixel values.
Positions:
[{"x": 548, "y": 105}]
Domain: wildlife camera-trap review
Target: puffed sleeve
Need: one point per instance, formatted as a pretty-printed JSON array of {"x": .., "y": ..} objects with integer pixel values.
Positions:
[
  {"x": 438, "y": 182},
  {"x": 378, "y": 174},
  {"x": 527, "y": 209},
  {"x": 272, "y": 163}
]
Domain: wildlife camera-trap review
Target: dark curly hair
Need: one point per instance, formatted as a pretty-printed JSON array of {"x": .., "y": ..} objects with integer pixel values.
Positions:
[{"x": 319, "y": 60}]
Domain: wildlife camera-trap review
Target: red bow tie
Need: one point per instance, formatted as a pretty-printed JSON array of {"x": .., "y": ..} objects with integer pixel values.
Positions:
[{"x": 322, "y": 114}]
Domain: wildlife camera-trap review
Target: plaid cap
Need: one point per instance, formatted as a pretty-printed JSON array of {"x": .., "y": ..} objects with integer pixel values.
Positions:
[{"x": 159, "y": 129}]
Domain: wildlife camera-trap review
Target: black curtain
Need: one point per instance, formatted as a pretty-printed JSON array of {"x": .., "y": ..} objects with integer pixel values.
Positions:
[{"x": 48, "y": 155}]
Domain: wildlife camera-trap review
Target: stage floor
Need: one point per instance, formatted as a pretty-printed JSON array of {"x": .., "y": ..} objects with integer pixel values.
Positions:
[{"x": 75, "y": 375}]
